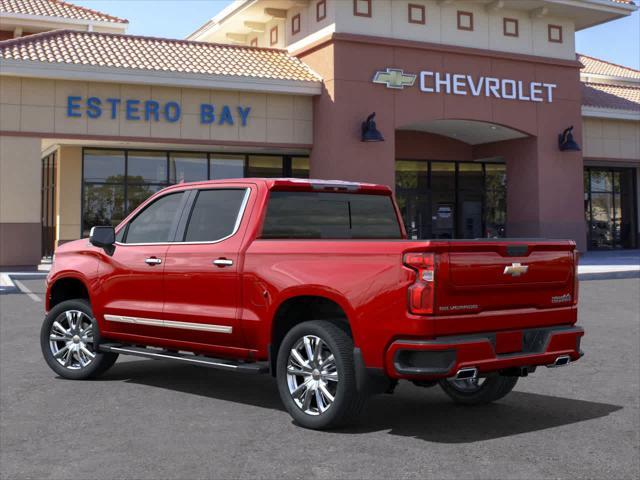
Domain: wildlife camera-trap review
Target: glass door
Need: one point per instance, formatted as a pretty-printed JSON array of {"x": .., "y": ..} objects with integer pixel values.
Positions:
[
  {"x": 443, "y": 197},
  {"x": 610, "y": 208},
  {"x": 47, "y": 205}
]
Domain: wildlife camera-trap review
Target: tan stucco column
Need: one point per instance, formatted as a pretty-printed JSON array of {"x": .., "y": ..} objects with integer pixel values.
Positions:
[
  {"x": 20, "y": 169},
  {"x": 68, "y": 194}
]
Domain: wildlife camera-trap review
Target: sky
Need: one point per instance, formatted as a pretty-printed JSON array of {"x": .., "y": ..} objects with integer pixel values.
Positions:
[{"x": 617, "y": 42}]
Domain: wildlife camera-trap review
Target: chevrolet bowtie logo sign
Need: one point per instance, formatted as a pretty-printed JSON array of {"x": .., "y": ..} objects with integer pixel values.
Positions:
[
  {"x": 395, "y": 78},
  {"x": 515, "y": 269}
]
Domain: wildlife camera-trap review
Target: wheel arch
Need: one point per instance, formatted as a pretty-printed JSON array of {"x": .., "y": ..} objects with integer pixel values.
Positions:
[
  {"x": 68, "y": 287},
  {"x": 302, "y": 307}
]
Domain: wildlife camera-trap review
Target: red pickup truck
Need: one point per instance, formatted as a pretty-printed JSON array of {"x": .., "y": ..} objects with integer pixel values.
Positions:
[{"x": 315, "y": 283}]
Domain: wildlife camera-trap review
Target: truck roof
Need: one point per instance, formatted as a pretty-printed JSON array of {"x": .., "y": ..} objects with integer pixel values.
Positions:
[{"x": 299, "y": 184}]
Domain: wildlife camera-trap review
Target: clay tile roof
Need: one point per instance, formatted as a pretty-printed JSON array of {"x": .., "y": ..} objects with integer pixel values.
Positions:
[
  {"x": 56, "y": 8},
  {"x": 611, "y": 96},
  {"x": 158, "y": 54},
  {"x": 601, "y": 67}
]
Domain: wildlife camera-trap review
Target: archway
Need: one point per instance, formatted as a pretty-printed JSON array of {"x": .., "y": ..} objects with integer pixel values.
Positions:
[{"x": 451, "y": 177}]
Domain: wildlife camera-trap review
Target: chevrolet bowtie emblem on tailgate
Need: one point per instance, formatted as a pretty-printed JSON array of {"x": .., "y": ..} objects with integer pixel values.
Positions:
[
  {"x": 395, "y": 78},
  {"x": 515, "y": 269}
]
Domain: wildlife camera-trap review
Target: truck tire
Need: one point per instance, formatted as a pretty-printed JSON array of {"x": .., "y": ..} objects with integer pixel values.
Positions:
[
  {"x": 478, "y": 391},
  {"x": 68, "y": 338},
  {"x": 316, "y": 375}
]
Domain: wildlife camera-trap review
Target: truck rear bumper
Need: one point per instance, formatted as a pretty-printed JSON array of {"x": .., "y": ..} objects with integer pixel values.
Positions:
[{"x": 487, "y": 352}]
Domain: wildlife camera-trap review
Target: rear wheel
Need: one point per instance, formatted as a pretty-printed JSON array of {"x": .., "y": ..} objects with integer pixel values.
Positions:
[
  {"x": 68, "y": 340},
  {"x": 480, "y": 390},
  {"x": 316, "y": 375}
]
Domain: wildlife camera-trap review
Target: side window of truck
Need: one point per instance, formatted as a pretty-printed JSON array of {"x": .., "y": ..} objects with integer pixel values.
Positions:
[
  {"x": 156, "y": 223},
  {"x": 216, "y": 214}
]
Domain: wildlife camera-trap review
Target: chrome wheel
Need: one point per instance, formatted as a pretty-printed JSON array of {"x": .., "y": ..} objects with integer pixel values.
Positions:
[
  {"x": 468, "y": 385},
  {"x": 71, "y": 340},
  {"x": 312, "y": 375}
]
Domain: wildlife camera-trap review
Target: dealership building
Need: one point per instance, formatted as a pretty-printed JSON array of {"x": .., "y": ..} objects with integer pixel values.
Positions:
[{"x": 487, "y": 122}]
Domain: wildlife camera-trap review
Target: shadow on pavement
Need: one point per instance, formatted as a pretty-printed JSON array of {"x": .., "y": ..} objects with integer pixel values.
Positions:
[{"x": 414, "y": 412}]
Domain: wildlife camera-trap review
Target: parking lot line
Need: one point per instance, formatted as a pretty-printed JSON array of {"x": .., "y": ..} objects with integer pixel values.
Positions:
[{"x": 26, "y": 291}]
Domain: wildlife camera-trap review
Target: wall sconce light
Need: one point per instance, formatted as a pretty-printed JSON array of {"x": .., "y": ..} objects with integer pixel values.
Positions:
[
  {"x": 369, "y": 131},
  {"x": 566, "y": 143}
]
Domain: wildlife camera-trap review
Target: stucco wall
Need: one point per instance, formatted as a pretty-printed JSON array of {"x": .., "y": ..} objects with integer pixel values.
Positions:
[
  {"x": 389, "y": 18},
  {"x": 611, "y": 139},
  {"x": 68, "y": 193},
  {"x": 40, "y": 106},
  {"x": 540, "y": 177},
  {"x": 19, "y": 200}
]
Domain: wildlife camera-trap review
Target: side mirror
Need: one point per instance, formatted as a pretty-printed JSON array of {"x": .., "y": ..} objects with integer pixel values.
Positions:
[{"x": 103, "y": 237}]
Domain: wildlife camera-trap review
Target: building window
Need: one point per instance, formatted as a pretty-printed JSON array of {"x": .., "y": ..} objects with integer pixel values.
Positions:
[
  {"x": 362, "y": 8},
  {"x": 295, "y": 24},
  {"x": 254, "y": 42},
  {"x": 510, "y": 27},
  {"x": 417, "y": 14},
  {"x": 273, "y": 35},
  {"x": 321, "y": 10},
  {"x": 555, "y": 33},
  {"x": 114, "y": 182},
  {"x": 465, "y": 20}
]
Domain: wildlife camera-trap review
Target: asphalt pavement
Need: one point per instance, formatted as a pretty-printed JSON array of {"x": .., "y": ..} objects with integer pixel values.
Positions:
[{"x": 149, "y": 419}]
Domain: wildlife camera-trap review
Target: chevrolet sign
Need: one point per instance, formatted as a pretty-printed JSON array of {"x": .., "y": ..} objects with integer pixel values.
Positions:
[
  {"x": 465, "y": 84},
  {"x": 395, "y": 78}
]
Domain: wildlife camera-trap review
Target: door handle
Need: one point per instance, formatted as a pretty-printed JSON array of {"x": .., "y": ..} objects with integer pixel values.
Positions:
[
  {"x": 153, "y": 261},
  {"x": 223, "y": 262}
]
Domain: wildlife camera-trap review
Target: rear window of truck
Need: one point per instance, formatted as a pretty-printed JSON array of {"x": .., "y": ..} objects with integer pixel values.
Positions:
[{"x": 330, "y": 216}]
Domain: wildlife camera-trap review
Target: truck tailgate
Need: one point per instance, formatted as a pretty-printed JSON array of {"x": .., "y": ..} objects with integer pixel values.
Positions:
[{"x": 480, "y": 276}]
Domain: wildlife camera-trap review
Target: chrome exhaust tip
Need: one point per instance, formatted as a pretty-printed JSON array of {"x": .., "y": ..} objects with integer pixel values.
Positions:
[
  {"x": 468, "y": 373},
  {"x": 561, "y": 361}
]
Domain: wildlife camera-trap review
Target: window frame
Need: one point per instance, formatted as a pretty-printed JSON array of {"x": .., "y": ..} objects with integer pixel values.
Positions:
[
  {"x": 367, "y": 14},
  {"x": 189, "y": 207},
  {"x": 296, "y": 23},
  {"x": 557, "y": 28},
  {"x": 515, "y": 23},
  {"x": 273, "y": 39},
  {"x": 421, "y": 8},
  {"x": 321, "y": 5},
  {"x": 464, "y": 13},
  {"x": 145, "y": 205}
]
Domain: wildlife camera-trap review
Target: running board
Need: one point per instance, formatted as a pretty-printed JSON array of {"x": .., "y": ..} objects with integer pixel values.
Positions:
[{"x": 201, "y": 360}]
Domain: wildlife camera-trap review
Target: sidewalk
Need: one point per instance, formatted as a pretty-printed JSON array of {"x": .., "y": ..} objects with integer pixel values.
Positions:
[{"x": 609, "y": 264}]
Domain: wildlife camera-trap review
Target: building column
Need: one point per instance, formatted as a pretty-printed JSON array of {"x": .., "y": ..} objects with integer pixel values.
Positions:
[
  {"x": 68, "y": 194},
  {"x": 20, "y": 227}
]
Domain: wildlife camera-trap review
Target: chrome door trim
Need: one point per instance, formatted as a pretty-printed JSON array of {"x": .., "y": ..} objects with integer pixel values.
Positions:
[
  {"x": 203, "y": 327},
  {"x": 236, "y": 226}
]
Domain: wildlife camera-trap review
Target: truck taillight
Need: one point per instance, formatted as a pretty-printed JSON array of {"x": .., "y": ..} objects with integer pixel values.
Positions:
[
  {"x": 576, "y": 285},
  {"x": 422, "y": 292}
]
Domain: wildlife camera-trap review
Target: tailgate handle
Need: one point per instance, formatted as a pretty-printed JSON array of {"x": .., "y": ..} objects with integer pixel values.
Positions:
[{"x": 517, "y": 250}]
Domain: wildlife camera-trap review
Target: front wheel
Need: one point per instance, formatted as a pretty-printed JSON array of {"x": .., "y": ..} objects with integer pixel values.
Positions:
[
  {"x": 478, "y": 391},
  {"x": 316, "y": 375},
  {"x": 68, "y": 340}
]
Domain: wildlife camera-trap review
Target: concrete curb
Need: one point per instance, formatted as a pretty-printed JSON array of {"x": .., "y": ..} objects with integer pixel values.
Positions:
[{"x": 7, "y": 283}]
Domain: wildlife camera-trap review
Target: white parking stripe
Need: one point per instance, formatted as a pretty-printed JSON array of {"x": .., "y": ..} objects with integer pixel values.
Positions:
[{"x": 25, "y": 290}]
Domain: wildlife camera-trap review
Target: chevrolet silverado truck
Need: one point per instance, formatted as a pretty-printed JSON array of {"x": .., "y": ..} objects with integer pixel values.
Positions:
[{"x": 315, "y": 283}]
